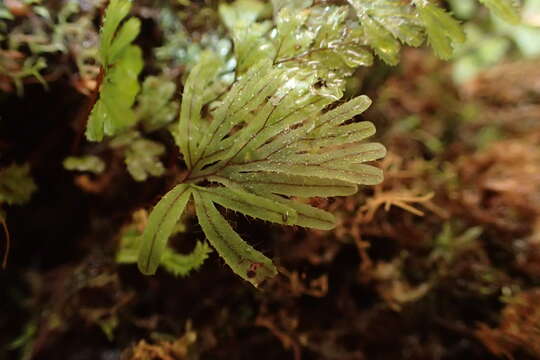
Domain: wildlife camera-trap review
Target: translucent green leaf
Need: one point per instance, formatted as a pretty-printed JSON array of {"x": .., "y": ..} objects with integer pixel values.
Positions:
[
  {"x": 286, "y": 184},
  {"x": 344, "y": 154},
  {"x": 355, "y": 173},
  {"x": 116, "y": 11},
  {"x": 241, "y": 13},
  {"x": 121, "y": 64},
  {"x": 289, "y": 22},
  {"x": 243, "y": 259},
  {"x": 142, "y": 159},
  {"x": 113, "y": 112},
  {"x": 386, "y": 21},
  {"x": 309, "y": 216},
  {"x": 343, "y": 113},
  {"x": 190, "y": 125},
  {"x": 328, "y": 49},
  {"x": 508, "y": 10},
  {"x": 85, "y": 163},
  {"x": 156, "y": 107},
  {"x": 251, "y": 46},
  {"x": 125, "y": 36},
  {"x": 307, "y": 138},
  {"x": 172, "y": 261},
  {"x": 442, "y": 29},
  {"x": 395, "y": 16},
  {"x": 250, "y": 204},
  {"x": 291, "y": 106},
  {"x": 292, "y": 4},
  {"x": 245, "y": 96},
  {"x": 160, "y": 225},
  {"x": 182, "y": 264},
  {"x": 337, "y": 135}
]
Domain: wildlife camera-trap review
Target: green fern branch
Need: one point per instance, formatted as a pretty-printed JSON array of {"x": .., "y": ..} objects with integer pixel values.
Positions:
[
  {"x": 121, "y": 64},
  {"x": 260, "y": 148}
]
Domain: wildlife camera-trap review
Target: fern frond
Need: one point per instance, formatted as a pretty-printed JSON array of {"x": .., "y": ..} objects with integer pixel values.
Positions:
[
  {"x": 385, "y": 23},
  {"x": 268, "y": 139},
  {"x": 508, "y": 10},
  {"x": 306, "y": 215},
  {"x": 190, "y": 124},
  {"x": 248, "y": 35},
  {"x": 442, "y": 29},
  {"x": 243, "y": 259},
  {"x": 121, "y": 64},
  {"x": 250, "y": 204},
  {"x": 171, "y": 261},
  {"x": 183, "y": 264},
  {"x": 286, "y": 184},
  {"x": 160, "y": 226}
]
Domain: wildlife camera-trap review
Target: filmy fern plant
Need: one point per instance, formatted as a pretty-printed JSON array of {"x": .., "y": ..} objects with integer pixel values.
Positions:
[
  {"x": 281, "y": 133},
  {"x": 269, "y": 139}
]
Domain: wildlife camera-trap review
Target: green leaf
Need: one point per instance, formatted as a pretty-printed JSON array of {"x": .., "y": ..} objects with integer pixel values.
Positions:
[
  {"x": 116, "y": 11},
  {"x": 182, "y": 264},
  {"x": 289, "y": 22},
  {"x": 173, "y": 262},
  {"x": 142, "y": 159},
  {"x": 344, "y": 154},
  {"x": 344, "y": 112},
  {"x": 240, "y": 102},
  {"x": 155, "y": 107},
  {"x": 16, "y": 184},
  {"x": 262, "y": 144},
  {"x": 125, "y": 36},
  {"x": 121, "y": 64},
  {"x": 286, "y": 184},
  {"x": 508, "y": 10},
  {"x": 355, "y": 173},
  {"x": 334, "y": 50},
  {"x": 160, "y": 225},
  {"x": 344, "y": 134},
  {"x": 243, "y": 259},
  {"x": 308, "y": 216},
  {"x": 141, "y": 155},
  {"x": 241, "y": 13},
  {"x": 382, "y": 41},
  {"x": 112, "y": 112},
  {"x": 292, "y": 4},
  {"x": 442, "y": 29},
  {"x": 250, "y": 204},
  {"x": 386, "y": 21},
  {"x": 84, "y": 163},
  {"x": 250, "y": 45},
  {"x": 190, "y": 125}
]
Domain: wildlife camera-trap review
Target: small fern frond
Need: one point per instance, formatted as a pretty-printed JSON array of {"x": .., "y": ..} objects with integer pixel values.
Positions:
[
  {"x": 508, "y": 10},
  {"x": 160, "y": 226},
  {"x": 171, "y": 261},
  {"x": 269, "y": 139},
  {"x": 243, "y": 259},
  {"x": 442, "y": 29},
  {"x": 121, "y": 64},
  {"x": 385, "y": 23},
  {"x": 183, "y": 264}
]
